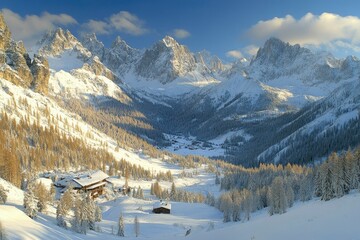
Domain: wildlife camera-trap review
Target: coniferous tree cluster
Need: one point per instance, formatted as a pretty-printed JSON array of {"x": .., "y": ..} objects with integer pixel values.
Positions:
[
  {"x": 338, "y": 175},
  {"x": 86, "y": 213},
  {"x": 277, "y": 187},
  {"x": 177, "y": 195}
]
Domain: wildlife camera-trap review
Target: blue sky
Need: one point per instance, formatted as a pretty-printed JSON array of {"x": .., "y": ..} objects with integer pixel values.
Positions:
[{"x": 227, "y": 28}]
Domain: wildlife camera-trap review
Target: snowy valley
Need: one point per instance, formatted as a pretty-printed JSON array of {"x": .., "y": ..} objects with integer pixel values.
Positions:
[{"x": 94, "y": 140}]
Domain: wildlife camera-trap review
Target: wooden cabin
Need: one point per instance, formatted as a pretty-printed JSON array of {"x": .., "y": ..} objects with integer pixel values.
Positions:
[
  {"x": 93, "y": 183},
  {"x": 162, "y": 207}
]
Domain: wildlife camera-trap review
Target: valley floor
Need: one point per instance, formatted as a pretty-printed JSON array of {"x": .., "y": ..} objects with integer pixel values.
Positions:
[{"x": 315, "y": 219}]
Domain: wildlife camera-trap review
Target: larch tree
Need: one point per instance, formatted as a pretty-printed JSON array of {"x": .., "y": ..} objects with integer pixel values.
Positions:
[{"x": 277, "y": 197}]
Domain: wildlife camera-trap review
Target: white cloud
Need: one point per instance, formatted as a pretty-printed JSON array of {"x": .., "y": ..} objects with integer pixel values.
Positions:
[
  {"x": 31, "y": 27},
  {"x": 128, "y": 23},
  {"x": 98, "y": 27},
  {"x": 120, "y": 22},
  {"x": 181, "y": 33},
  {"x": 251, "y": 50},
  {"x": 234, "y": 54},
  {"x": 309, "y": 29}
]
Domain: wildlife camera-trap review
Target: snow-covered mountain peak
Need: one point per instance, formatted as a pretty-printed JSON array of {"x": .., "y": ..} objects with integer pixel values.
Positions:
[
  {"x": 119, "y": 43},
  {"x": 95, "y": 46},
  {"x": 166, "y": 60},
  {"x": 56, "y": 42},
  {"x": 212, "y": 62},
  {"x": 276, "y": 52},
  {"x": 170, "y": 42}
]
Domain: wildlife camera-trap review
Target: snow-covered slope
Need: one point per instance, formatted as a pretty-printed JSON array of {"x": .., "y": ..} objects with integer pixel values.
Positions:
[
  {"x": 330, "y": 120},
  {"x": 315, "y": 219},
  {"x": 12, "y": 97}
]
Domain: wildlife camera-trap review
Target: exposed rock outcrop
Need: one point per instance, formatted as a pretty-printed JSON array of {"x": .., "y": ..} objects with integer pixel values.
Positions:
[
  {"x": 16, "y": 65},
  {"x": 41, "y": 74}
]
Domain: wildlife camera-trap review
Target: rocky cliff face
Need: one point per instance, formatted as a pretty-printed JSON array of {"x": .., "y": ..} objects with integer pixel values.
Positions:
[
  {"x": 41, "y": 74},
  {"x": 54, "y": 43},
  {"x": 5, "y": 35},
  {"x": 16, "y": 65},
  {"x": 166, "y": 61}
]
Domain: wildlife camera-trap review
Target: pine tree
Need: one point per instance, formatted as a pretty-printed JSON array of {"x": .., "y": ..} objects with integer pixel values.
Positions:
[
  {"x": 136, "y": 226},
  {"x": 277, "y": 197},
  {"x": 217, "y": 179},
  {"x": 98, "y": 214},
  {"x": 79, "y": 224},
  {"x": 157, "y": 189},
  {"x": 226, "y": 206},
  {"x": 3, "y": 195},
  {"x": 121, "y": 226},
  {"x": 66, "y": 201},
  {"x": 43, "y": 196},
  {"x": 247, "y": 203},
  {"x": 236, "y": 206},
  {"x": 152, "y": 189},
  {"x": 173, "y": 191},
  {"x": 326, "y": 178},
  {"x": 84, "y": 214},
  {"x": 30, "y": 203},
  {"x": 306, "y": 188},
  {"x": 140, "y": 193},
  {"x": 90, "y": 211}
]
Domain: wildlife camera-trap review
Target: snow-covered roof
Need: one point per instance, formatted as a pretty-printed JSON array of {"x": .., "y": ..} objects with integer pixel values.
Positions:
[
  {"x": 90, "y": 179},
  {"x": 96, "y": 185},
  {"x": 162, "y": 204}
]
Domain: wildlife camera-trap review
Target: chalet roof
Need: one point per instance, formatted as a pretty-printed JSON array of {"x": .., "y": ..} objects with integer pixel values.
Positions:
[
  {"x": 90, "y": 179},
  {"x": 96, "y": 185},
  {"x": 162, "y": 204}
]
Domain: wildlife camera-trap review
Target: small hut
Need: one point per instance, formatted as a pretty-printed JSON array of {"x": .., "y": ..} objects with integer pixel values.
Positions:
[{"x": 162, "y": 207}]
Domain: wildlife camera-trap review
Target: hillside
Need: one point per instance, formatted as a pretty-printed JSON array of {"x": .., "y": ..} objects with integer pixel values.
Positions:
[{"x": 315, "y": 219}]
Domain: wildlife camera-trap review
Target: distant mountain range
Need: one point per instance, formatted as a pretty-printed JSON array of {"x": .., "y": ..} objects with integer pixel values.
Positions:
[{"x": 286, "y": 104}]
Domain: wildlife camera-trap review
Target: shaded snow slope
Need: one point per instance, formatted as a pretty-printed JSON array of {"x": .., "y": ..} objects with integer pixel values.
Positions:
[{"x": 331, "y": 220}]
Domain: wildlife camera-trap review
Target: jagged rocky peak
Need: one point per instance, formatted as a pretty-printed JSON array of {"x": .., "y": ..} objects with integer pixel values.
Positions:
[
  {"x": 166, "y": 60},
  {"x": 170, "y": 42},
  {"x": 56, "y": 42},
  {"x": 5, "y": 35},
  {"x": 120, "y": 56},
  {"x": 95, "y": 46},
  {"x": 17, "y": 67},
  {"x": 119, "y": 46},
  {"x": 212, "y": 62},
  {"x": 13, "y": 57},
  {"x": 277, "y": 52}
]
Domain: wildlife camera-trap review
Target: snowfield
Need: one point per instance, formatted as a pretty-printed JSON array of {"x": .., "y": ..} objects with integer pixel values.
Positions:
[
  {"x": 331, "y": 220},
  {"x": 315, "y": 219}
]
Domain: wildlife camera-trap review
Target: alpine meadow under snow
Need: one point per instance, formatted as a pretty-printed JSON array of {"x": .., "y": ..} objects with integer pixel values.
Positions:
[{"x": 109, "y": 142}]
